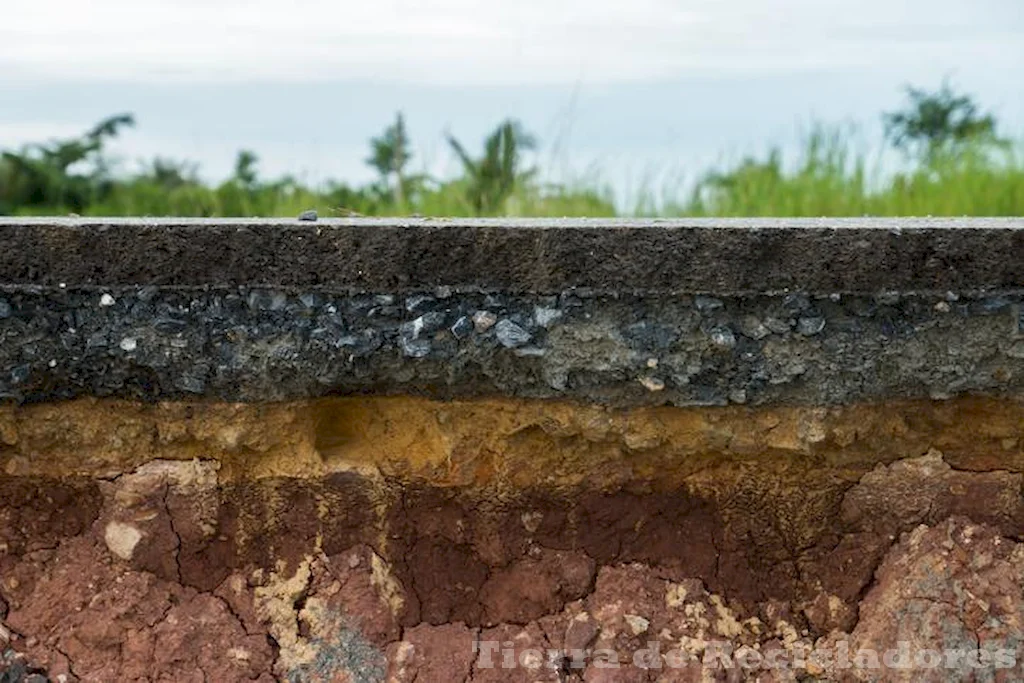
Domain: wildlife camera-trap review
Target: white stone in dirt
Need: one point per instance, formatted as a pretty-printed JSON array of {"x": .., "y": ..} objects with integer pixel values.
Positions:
[
  {"x": 121, "y": 539},
  {"x": 106, "y": 300},
  {"x": 652, "y": 383},
  {"x": 637, "y": 624},
  {"x": 484, "y": 320}
]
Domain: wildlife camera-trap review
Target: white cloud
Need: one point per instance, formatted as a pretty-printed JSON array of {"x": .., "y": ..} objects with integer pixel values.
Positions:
[{"x": 483, "y": 41}]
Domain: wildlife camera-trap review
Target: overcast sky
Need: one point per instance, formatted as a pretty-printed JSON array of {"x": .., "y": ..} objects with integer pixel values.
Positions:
[{"x": 639, "y": 83}]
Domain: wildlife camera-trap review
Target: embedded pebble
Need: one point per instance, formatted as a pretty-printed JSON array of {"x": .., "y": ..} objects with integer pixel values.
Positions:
[
  {"x": 810, "y": 326},
  {"x": 796, "y": 302},
  {"x": 723, "y": 337},
  {"x": 637, "y": 624},
  {"x": 267, "y": 300},
  {"x": 707, "y": 303},
  {"x": 652, "y": 383},
  {"x": 777, "y": 325},
  {"x": 462, "y": 328},
  {"x": 484, "y": 320},
  {"x": 750, "y": 326},
  {"x": 415, "y": 348},
  {"x": 426, "y": 323},
  {"x": 415, "y": 303},
  {"x": 511, "y": 335}
]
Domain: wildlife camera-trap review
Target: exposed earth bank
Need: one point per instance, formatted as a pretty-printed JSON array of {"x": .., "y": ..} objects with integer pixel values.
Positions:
[{"x": 373, "y": 539}]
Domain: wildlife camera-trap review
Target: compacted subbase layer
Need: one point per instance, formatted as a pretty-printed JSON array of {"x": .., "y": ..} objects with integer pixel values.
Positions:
[{"x": 571, "y": 451}]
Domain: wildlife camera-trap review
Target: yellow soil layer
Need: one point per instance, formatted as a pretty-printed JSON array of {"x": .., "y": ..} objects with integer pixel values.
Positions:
[{"x": 503, "y": 443}]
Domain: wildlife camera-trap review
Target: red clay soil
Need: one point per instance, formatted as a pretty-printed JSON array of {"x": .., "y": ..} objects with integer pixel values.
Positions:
[{"x": 404, "y": 540}]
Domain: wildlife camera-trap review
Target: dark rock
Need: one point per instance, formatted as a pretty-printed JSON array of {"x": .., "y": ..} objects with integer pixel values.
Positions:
[
  {"x": 96, "y": 340},
  {"x": 750, "y": 326},
  {"x": 427, "y": 323},
  {"x": 796, "y": 302},
  {"x": 309, "y": 215},
  {"x": 463, "y": 327},
  {"x": 419, "y": 302},
  {"x": 810, "y": 326},
  {"x": 20, "y": 374},
  {"x": 415, "y": 348},
  {"x": 169, "y": 325},
  {"x": 14, "y": 668},
  {"x": 510, "y": 334},
  {"x": 432, "y": 321},
  {"x": 311, "y": 300},
  {"x": 266, "y": 300},
  {"x": 705, "y": 304},
  {"x": 192, "y": 383},
  {"x": 777, "y": 325},
  {"x": 723, "y": 337}
]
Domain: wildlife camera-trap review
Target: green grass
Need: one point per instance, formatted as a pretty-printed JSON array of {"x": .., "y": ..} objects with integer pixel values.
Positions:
[
  {"x": 148, "y": 199},
  {"x": 828, "y": 179}
]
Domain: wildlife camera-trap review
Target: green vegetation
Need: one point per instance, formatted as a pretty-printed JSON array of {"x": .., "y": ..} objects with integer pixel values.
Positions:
[{"x": 955, "y": 164}]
